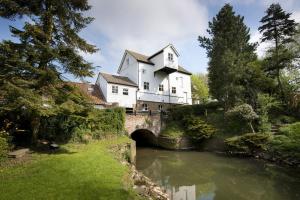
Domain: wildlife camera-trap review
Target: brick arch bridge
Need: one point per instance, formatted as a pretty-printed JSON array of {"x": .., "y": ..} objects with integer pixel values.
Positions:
[{"x": 152, "y": 123}]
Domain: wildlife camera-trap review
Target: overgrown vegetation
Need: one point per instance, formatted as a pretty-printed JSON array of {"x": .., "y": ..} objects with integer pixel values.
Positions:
[{"x": 257, "y": 94}]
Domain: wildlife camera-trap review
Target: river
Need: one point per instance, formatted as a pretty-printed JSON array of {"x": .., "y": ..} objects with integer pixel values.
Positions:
[{"x": 192, "y": 175}]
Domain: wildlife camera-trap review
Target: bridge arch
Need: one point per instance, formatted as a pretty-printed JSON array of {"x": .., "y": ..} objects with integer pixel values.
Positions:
[{"x": 144, "y": 137}]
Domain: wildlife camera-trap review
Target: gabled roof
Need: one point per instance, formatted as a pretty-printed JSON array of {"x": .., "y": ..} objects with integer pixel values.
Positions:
[
  {"x": 146, "y": 59},
  {"x": 95, "y": 95},
  {"x": 140, "y": 57},
  {"x": 160, "y": 51},
  {"x": 120, "y": 80},
  {"x": 184, "y": 71}
]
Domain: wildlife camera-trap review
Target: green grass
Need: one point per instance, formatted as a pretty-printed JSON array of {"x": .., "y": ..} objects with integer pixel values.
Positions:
[{"x": 83, "y": 172}]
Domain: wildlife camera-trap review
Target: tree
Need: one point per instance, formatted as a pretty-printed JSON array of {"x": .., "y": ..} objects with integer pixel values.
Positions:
[
  {"x": 230, "y": 53},
  {"x": 200, "y": 87},
  {"x": 279, "y": 28},
  {"x": 245, "y": 112},
  {"x": 265, "y": 104},
  {"x": 47, "y": 46}
]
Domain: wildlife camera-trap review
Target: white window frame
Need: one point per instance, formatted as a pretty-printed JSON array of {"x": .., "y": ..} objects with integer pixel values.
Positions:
[
  {"x": 161, "y": 87},
  {"x": 145, "y": 107},
  {"x": 146, "y": 85},
  {"x": 125, "y": 91},
  {"x": 114, "y": 89},
  {"x": 170, "y": 57},
  {"x": 173, "y": 90}
]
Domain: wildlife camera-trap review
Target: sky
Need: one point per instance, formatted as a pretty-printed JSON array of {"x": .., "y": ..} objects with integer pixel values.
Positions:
[{"x": 146, "y": 26}]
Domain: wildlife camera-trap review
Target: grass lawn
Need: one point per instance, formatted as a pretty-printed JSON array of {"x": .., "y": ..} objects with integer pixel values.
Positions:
[{"x": 83, "y": 172}]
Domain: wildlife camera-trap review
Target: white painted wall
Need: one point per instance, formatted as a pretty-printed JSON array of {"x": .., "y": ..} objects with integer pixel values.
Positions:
[
  {"x": 131, "y": 70},
  {"x": 181, "y": 81},
  {"x": 127, "y": 101},
  {"x": 102, "y": 83},
  {"x": 167, "y": 63}
]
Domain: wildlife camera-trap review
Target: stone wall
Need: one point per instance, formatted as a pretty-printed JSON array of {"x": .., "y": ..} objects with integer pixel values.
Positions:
[
  {"x": 152, "y": 123},
  {"x": 153, "y": 106}
]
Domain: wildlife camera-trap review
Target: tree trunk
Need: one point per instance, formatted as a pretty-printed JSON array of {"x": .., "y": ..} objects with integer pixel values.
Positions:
[
  {"x": 250, "y": 124},
  {"x": 35, "y": 126}
]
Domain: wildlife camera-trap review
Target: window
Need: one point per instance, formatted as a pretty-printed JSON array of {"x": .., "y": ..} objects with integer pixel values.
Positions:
[
  {"x": 114, "y": 89},
  {"x": 173, "y": 90},
  {"x": 145, "y": 107},
  {"x": 125, "y": 91},
  {"x": 127, "y": 61},
  {"x": 170, "y": 56},
  {"x": 143, "y": 71},
  {"x": 146, "y": 85},
  {"x": 161, "y": 87},
  {"x": 160, "y": 107}
]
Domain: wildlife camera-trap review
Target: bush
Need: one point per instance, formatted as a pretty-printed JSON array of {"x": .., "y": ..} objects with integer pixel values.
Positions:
[
  {"x": 198, "y": 129},
  {"x": 173, "y": 130},
  {"x": 287, "y": 142},
  {"x": 95, "y": 124},
  {"x": 4, "y": 147},
  {"x": 249, "y": 142}
]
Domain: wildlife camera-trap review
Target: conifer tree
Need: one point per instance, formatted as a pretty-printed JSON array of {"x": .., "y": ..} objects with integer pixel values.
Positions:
[
  {"x": 278, "y": 27},
  {"x": 229, "y": 53},
  {"x": 47, "y": 46}
]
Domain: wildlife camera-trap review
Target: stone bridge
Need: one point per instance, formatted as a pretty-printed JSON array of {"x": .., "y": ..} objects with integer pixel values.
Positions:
[{"x": 152, "y": 123}]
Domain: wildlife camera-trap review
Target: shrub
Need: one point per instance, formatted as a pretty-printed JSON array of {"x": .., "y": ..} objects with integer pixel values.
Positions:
[
  {"x": 248, "y": 142},
  {"x": 173, "y": 130},
  {"x": 244, "y": 112},
  {"x": 4, "y": 147},
  {"x": 198, "y": 129},
  {"x": 287, "y": 142}
]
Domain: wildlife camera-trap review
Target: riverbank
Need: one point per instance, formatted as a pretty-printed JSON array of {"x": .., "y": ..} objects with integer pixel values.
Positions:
[{"x": 77, "y": 171}]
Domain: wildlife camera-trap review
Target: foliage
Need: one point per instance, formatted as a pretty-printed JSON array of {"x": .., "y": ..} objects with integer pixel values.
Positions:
[
  {"x": 177, "y": 113},
  {"x": 245, "y": 112},
  {"x": 230, "y": 54},
  {"x": 48, "y": 45},
  {"x": 265, "y": 103},
  {"x": 277, "y": 26},
  {"x": 95, "y": 124},
  {"x": 4, "y": 147},
  {"x": 197, "y": 129},
  {"x": 287, "y": 142},
  {"x": 248, "y": 143},
  {"x": 81, "y": 172},
  {"x": 200, "y": 89},
  {"x": 173, "y": 130}
]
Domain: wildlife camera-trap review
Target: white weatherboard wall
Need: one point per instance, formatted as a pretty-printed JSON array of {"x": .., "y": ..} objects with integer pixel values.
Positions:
[
  {"x": 129, "y": 70},
  {"x": 174, "y": 63},
  {"x": 181, "y": 81},
  {"x": 127, "y": 101},
  {"x": 102, "y": 83}
]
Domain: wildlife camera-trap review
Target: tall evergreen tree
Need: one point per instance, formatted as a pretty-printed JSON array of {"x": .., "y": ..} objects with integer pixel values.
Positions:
[
  {"x": 230, "y": 52},
  {"x": 277, "y": 26},
  {"x": 48, "y": 45}
]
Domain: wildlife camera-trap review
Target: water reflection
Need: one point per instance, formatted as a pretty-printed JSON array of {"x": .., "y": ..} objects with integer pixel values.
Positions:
[{"x": 205, "y": 176}]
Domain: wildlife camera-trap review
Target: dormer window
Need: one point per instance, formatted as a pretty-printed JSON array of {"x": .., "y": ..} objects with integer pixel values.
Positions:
[{"x": 170, "y": 57}]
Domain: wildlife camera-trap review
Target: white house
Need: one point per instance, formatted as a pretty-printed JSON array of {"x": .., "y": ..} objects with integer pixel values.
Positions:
[{"x": 148, "y": 82}]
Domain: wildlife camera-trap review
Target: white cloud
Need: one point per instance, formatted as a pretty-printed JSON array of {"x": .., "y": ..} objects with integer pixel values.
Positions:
[
  {"x": 262, "y": 46},
  {"x": 296, "y": 16},
  {"x": 146, "y": 26}
]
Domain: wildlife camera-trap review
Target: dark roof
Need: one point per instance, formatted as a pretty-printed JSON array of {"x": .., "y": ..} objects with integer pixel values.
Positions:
[
  {"x": 140, "y": 57},
  {"x": 182, "y": 70},
  {"x": 160, "y": 51},
  {"x": 95, "y": 95},
  {"x": 146, "y": 59},
  {"x": 121, "y": 80}
]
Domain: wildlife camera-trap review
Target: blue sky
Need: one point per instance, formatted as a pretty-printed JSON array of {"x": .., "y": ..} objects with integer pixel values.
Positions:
[{"x": 147, "y": 26}]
